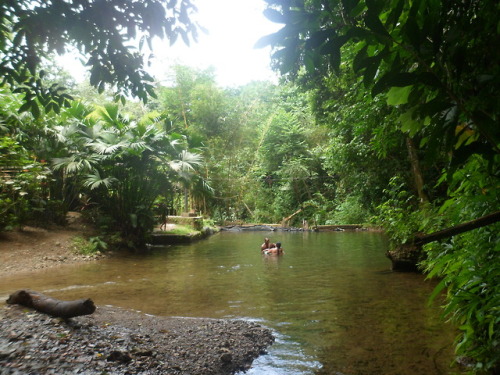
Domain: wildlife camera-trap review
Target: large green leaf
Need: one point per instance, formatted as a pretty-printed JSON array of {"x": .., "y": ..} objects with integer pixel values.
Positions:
[
  {"x": 409, "y": 124},
  {"x": 373, "y": 22},
  {"x": 398, "y": 95},
  {"x": 394, "y": 79}
]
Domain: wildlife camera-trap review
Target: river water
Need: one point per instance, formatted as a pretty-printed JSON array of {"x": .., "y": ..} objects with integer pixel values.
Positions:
[{"x": 331, "y": 299}]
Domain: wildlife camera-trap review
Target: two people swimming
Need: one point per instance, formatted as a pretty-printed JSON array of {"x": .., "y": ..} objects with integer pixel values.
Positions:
[{"x": 271, "y": 248}]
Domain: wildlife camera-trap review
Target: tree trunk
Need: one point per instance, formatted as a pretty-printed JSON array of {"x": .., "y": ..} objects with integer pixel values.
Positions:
[
  {"x": 284, "y": 222},
  {"x": 186, "y": 200},
  {"x": 407, "y": 256},
  {"x": 416, "y": 171},
  {"x": 52, "y": 306},
  {"x": 457, "y": 229}
]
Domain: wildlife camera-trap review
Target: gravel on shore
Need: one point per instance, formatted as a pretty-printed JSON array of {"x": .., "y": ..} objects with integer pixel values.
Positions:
[{"x": 118, "y": 341}]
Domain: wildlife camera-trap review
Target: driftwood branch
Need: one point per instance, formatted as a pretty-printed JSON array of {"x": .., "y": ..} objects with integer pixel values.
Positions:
[{"x": 52, "y": 306}]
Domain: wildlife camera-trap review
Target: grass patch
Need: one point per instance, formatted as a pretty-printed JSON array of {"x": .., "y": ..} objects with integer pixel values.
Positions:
[
  {"x": 90, "y": 246},
  {"x": 182, "y": 230}
]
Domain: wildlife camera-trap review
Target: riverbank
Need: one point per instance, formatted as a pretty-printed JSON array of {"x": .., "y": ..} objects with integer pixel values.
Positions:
[
  {"x": 32, "y": 248},
  {"x": 112, "y": 340},
  {"x": 118, "y": 341}
]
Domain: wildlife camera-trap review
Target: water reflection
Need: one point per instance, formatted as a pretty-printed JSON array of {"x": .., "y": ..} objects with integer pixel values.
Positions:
[{"x": 331, "y": 299}]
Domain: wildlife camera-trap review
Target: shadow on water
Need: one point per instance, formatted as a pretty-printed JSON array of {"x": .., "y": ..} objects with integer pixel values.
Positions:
[{"x": 331, "y": 299}]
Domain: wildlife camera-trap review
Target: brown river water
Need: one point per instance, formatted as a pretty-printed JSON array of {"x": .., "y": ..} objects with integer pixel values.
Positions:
[{"x": 331, "y": 299}]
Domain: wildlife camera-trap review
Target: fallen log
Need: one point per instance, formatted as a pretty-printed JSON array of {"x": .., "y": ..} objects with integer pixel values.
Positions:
[{"x": 52, "y": 306}]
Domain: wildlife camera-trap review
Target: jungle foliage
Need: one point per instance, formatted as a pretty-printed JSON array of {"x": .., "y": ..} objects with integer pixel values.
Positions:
[
  {"x": 93, "y": 159},
  {"x": 102, "y": 31},
  {"x": 436, "y": 64},
  {"x": 388, "y": 112}
]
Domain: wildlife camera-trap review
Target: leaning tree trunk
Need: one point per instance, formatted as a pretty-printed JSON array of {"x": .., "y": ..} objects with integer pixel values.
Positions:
[
  {"x": 52, "y": 306},
  {"x": 407, "y": 256}
]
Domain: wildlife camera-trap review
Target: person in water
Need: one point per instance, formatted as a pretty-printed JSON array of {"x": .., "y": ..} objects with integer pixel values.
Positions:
[
  {"x": 277, "y": 249},
  {"x": 266, "y": 245}
]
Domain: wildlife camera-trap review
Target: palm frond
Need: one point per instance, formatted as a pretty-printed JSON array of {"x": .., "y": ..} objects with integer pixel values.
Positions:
[
  {"x": 110, "y": 116},
  {"x": 72, "y": 164},
  {"x": 59, "y": 163},
  {"x": 191, "y": 158},
  {"x": 104, "y": 148},
  {"x": 95, "y": 181},
  {"x": 91, "y": 131},
  {"x": 152, "y": 118},
  {"x": 77, "y": 110},
  {"x": 186, "y": 162},
  {"x": 64, "y": 133},
  {"x": 139, "y": 146}
]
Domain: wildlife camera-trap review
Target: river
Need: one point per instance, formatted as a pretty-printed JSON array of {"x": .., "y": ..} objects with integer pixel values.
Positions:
[{"x": 331, "y": 299}]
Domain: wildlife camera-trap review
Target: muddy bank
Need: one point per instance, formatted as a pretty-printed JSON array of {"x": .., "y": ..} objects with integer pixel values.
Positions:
[
  {"x": 32, "y": 249},
  {"x": 117, "y": 341}
]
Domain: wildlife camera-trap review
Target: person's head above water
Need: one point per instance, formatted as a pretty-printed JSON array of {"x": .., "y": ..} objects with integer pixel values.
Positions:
[
  {"x": 278, "y": 244},
  {"x": 266, "y": 240}
]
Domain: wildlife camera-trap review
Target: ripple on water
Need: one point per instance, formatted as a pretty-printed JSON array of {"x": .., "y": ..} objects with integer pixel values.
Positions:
[{"x": 284, "y": 357}]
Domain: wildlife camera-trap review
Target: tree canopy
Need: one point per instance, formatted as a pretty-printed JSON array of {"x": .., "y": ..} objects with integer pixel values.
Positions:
[
  {"x": 104, "y": 32},
  {"x": 437, "y": 60}
]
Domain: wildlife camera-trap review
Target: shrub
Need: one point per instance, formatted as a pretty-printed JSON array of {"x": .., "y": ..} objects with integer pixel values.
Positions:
[{"x": 90, "y": 246}]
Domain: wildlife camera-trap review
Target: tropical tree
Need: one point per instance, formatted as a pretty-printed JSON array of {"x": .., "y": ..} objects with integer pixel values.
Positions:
[
  {"x": 214, "y": 121},
  {"x": 24, "y": 178},
  {"x": 122, "y": 166},
  {"x": 414, "y": 51},
  {"x": 102, "y": 31},
  {"x": 23, "y": 188},
  {"x": 467, "y": 264},
  {"x": 365, "y": 147}
]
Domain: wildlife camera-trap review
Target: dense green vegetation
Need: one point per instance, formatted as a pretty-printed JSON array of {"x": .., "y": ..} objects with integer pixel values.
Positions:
[
  {"x": 384, "y": 116},
  {"x": 436, "y": 65},
  {"x": 102, "y": 31}
]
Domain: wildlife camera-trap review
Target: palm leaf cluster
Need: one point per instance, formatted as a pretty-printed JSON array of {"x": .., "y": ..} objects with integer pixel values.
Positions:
[{"x": 107, "y": 163}]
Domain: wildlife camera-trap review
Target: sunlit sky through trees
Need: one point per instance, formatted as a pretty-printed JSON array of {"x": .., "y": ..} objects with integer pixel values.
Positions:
[{"x": 234, "y": 27}]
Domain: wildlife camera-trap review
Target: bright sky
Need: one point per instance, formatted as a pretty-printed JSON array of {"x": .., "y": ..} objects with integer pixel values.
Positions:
[{"x": 234, "y": 27}]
